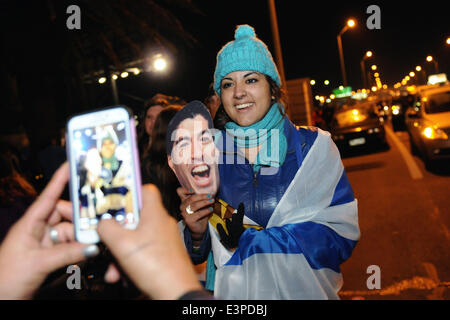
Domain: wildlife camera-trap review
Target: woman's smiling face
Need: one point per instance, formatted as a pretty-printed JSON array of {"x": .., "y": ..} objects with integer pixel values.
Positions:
[{"x": 246, "y": 96}]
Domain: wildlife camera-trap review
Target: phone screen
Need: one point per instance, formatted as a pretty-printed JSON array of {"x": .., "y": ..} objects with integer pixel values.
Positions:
[{"x": 105, "y": 181}]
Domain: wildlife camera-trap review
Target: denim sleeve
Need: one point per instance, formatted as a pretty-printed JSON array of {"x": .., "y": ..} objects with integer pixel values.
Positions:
[{"x": 201, "y": 255}]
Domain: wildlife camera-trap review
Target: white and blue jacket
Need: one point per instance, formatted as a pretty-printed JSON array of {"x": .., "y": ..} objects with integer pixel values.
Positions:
[{"x": 309, "y": 215}]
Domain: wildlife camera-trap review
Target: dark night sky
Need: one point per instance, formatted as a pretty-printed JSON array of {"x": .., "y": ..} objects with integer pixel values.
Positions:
[{"x": 308, "y": 33}]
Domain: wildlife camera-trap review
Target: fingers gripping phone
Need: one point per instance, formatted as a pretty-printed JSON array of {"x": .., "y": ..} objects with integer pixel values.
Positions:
[{"x": 105, "y": 180}]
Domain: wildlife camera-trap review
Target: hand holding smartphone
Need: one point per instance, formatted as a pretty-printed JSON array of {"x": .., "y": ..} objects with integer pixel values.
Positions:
[{"x": 105, "y": 180}]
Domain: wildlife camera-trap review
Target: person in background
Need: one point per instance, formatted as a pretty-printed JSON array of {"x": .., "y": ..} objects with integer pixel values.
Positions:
[
  {"x": 151, "y": 110},
  {"x": 155, "y": 168},
  {"x": 292, "y": 184},
  {"x": 212, "y": 101}
]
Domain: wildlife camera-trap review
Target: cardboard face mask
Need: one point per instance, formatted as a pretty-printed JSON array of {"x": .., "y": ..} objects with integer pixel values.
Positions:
[{"x": 192, "y": 154}]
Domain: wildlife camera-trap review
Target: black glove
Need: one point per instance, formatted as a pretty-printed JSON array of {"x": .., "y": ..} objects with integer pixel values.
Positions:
[{"x": 235, "y": 227}]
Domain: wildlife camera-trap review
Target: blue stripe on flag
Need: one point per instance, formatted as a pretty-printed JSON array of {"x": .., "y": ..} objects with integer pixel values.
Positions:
[
  {"x": 321, "y": 246},
  {"x": 343, "y": 192}
]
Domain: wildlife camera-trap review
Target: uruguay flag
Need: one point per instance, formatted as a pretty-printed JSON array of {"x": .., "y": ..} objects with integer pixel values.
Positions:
[{"x": 306, "y": 239}]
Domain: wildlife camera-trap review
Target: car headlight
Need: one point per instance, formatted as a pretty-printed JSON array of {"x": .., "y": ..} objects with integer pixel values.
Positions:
[{"x": 434, "y": 133}]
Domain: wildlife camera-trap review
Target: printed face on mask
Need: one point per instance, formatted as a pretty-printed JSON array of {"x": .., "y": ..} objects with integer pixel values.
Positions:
[
  {"x": 246, "y": 96},
  {"x": 194, "y": 156}
]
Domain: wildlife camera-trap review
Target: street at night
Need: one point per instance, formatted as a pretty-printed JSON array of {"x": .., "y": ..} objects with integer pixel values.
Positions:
[{"x": 404, "y": 226}]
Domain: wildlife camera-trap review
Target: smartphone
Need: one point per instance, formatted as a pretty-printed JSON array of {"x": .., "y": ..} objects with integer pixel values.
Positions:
[{"x": 105, "y": 181}]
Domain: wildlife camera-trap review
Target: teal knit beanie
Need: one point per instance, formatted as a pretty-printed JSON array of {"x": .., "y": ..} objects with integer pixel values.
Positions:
[{"x": 246, "y": 52}]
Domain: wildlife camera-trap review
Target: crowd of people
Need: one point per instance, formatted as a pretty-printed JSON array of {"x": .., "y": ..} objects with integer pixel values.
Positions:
[{"x": 229, "y": 182}]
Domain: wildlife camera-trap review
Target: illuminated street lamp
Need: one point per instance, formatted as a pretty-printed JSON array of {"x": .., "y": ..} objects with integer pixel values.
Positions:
[
  {"x": 350, "y": 24},
  {"x": 431, "y": 59},
  {"x": 160, "y": 64},
  {"x": 420, "y": 74},
  {"x": 102, "y": 80},
  {"x": 312, "y": 82},
  {"x": 448, "y": 40},
  {"x": 412, "y": 74},
  {"x": 157, "y": 63},
  {"x": 373, "y": 67},
  {"x": 363, "y": 67},
  {"x": 326, "y": 82}
]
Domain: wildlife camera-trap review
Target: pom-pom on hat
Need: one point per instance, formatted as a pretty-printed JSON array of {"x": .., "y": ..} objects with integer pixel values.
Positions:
[{"x": 246, "y": 52}]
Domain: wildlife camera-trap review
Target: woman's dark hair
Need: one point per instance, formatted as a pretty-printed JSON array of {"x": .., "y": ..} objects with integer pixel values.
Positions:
[
  {"x": 156, "y": 166},
  {"x": 278, "y": 93}
]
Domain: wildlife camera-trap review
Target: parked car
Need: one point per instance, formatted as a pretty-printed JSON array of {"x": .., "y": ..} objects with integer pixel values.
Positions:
[
  {"x": 428, "y": 123},
  {"x": 357, "y": 125}
]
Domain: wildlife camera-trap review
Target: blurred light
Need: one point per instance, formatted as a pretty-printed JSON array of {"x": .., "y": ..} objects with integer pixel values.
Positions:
[
  {"x": 326, "y": 82},
  {"x": 160, "y": 63},
  {"x": 135, "y": 71},
  {"x": 448, "y": 40},
  {"x": 374, "y": 88},
  {"x": 428, "y": 132},
  {"x": 341, "y": 87},
  {"x": 102, "y": 80},
  {"x": 412, "y": 74},
  {"x": 376, "y": 74},
  {"x": 332, "y": 96},
  {"x": 312, "y": 82},
  {"x": 418, "y": 68},
  {"x": 385, "y": 86},
  {"x": 317, "y": 97},
  {"x": 434, "y": 133},
  {"x": 355, "y": 111},
  {"x": 386, "y": 108},
  {"x": 369, "y": 54},
  {"x": 124, "y": 74},
  {"x": 358, "y": 129},
  {"x": 351, "y": 23},
  {"x": 437, "y": 78},
  {"x": 395, "y": 111},
  {"x": 407, "y": 78},
  {"x": 374, "y": 67},
  {"x": 429, "y": 58},
  {"x": 114, "y": 76}
]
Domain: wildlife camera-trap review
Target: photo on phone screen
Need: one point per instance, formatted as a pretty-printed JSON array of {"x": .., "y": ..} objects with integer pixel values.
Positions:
[{"x": 104, "y": 171}]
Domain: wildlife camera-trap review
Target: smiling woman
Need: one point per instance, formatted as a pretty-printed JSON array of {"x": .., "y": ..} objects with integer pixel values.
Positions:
[{"x": 290, "y": 183}]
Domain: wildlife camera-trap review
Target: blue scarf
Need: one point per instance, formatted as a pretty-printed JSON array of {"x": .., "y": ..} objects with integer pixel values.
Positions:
[{"x": 259, "y": 134}]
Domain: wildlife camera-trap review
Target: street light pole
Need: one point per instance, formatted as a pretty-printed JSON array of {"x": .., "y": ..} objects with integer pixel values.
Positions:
[
  {"x": 350, "y": 24},
  {"x": 341, "y": 56},
  {"x": 276, "y": 39},
  {"x": 363, "y": 67}
]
